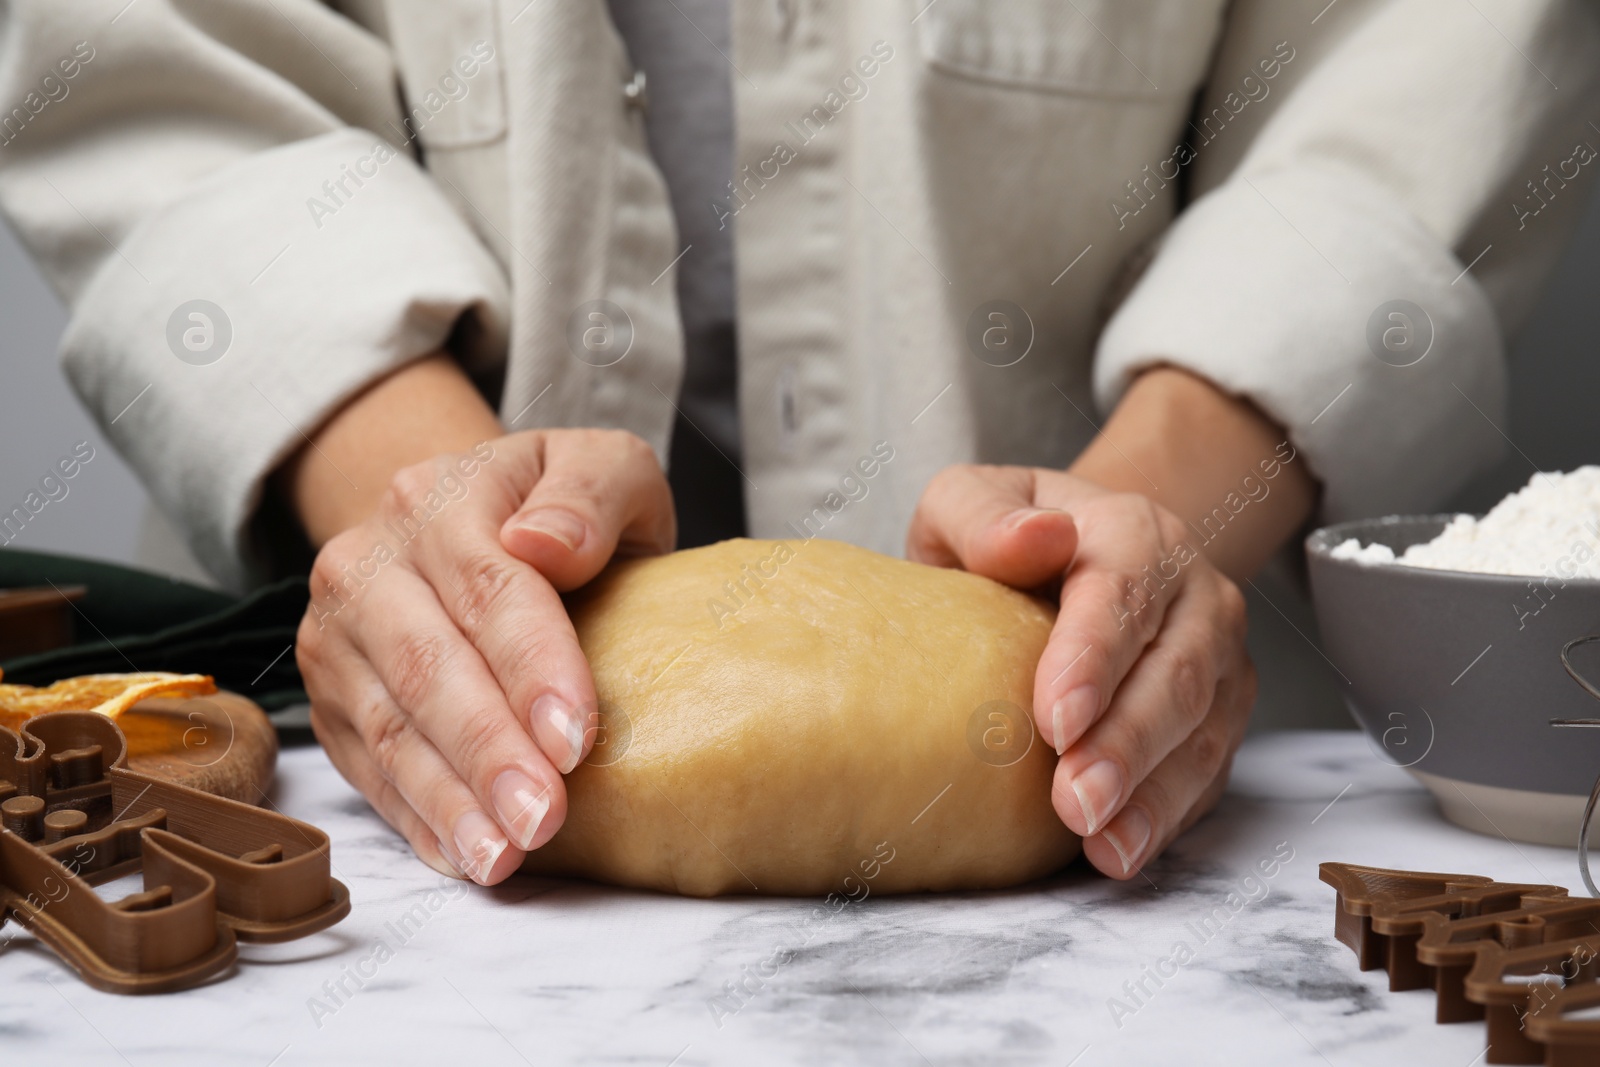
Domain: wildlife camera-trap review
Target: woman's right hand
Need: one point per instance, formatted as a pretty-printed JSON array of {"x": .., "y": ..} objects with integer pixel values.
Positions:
[{"x": 446, "y": 680}]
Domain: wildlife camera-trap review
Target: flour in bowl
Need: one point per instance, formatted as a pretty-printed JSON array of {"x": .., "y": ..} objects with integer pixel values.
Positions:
[{"x": 1550, "y": 526}]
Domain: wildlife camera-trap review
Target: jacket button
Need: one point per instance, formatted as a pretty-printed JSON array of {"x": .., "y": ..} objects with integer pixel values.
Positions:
[{"x": 634, "y": 92}]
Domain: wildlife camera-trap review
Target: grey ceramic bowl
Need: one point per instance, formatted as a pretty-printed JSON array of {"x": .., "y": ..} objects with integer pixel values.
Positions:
[{"x": 1456, "y": 676}]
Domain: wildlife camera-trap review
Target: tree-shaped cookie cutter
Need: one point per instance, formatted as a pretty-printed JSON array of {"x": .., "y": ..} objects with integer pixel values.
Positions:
[
  {"x": 1522, "y": 956},
  {"x": 216, "y": 871}
]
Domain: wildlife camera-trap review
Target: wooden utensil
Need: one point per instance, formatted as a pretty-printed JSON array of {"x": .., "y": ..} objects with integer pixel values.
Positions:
[{"x": 221, "y": 744}]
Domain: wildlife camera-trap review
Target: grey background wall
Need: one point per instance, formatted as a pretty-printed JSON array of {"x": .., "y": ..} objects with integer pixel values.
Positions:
[
  {"x": 41, "y": 420},
  {"x": 1555, "y": 409},
  {"x": 1555, "y": 375}
]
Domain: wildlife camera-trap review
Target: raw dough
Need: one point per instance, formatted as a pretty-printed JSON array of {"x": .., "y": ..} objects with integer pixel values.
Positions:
[{"x": 808, "y": 717}]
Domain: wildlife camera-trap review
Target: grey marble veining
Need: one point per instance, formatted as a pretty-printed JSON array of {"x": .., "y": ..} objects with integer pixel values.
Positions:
[{"x": 1076, "y": 970}]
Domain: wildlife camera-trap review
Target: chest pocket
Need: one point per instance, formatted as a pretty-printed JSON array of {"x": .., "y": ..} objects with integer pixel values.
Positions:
[
  {"x": 1113, "y": 48},
  {"x": 449, "y": 62}
]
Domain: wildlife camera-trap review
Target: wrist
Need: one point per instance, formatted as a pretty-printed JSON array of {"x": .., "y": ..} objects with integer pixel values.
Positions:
[
  {"x": 338, "y": 476},
  {"x": 1202, "y": 453}
]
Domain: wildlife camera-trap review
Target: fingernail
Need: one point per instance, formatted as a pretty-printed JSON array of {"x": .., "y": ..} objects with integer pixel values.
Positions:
[
  {"x": 561, "y": 525},
  {"x": 479, "y": 842},
  {"x": 1098, "y": 788},
  {"x": 521, "y": 804},
  {"x": 1071, "y": 715},
  {"x": 558, "y": 730},
  {"x": 1133, "y": 834},
  {"x": 442, "y": 864},
  {"x": 1022, "y": 515}
]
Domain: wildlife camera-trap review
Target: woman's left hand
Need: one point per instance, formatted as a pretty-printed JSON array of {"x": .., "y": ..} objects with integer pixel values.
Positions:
[{"x": 1145, "y": 686}]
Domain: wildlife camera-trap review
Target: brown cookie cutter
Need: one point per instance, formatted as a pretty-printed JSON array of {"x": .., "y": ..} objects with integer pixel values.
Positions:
[
  {"x": 1524, "y": 957},
  {"x": 216, "y": 872}
]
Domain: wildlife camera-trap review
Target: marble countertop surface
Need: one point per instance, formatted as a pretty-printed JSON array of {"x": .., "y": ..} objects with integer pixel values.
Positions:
[{"x": 540, "y": 972}]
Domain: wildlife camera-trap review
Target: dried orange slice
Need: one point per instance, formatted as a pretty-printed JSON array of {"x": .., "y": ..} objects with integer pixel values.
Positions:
[{"x": 108, "y": 694}]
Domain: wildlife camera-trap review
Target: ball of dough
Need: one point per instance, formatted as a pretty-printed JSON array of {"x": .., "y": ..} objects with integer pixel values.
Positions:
[{"x": 808, "y": 717}]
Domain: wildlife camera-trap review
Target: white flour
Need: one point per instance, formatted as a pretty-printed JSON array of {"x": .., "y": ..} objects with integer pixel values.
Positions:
[{"x": 1549, "y": 527}]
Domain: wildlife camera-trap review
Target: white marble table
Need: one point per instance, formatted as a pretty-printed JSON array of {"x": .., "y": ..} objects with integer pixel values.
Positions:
[{"x": 541, "y": 973}]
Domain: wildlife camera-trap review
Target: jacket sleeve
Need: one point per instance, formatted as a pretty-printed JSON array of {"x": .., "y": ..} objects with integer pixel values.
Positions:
[
  {"x": 226, "y": 198},
  {"x": 1378, "y": 194}
]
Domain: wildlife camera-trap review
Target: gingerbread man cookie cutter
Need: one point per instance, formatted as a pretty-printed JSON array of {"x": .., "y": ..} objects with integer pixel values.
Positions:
[{"x": 216, "y": 871}]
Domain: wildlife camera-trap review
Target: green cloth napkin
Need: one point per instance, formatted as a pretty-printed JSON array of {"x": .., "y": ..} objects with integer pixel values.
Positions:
[{"x": 133, "y": 620}]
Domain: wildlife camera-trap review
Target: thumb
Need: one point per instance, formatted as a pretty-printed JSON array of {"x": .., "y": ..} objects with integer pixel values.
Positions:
[
  {"x": 600, "y": 493},
  {"x": 984, "y": 520}
]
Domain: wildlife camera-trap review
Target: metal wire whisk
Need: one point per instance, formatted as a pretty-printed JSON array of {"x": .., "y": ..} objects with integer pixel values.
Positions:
[{"x": 1594, "y": 794}]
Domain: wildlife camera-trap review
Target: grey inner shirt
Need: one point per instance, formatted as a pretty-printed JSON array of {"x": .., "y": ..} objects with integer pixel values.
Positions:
[{"x": 689, "y": 127}]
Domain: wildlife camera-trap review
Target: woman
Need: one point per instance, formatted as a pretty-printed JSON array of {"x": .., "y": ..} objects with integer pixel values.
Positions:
[{"x": 432, "y": 290}]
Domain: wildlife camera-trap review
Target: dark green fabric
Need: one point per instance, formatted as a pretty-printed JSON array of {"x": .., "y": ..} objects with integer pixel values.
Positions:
[{"x": 132, "y": 620}]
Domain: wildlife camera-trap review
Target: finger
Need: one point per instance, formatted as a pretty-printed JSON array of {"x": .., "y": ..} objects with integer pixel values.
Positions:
[
  {"x": 1162, "y": 701},
  {"x": 600, "y": 492},
  {"x": 467, "y": 837},
  {"x": 1113, "y": 602},
  {"x": 451, "y": 706},
  {"x": 331, "y": 668},
  {"x": 348, "y": 756},
  {"x": 984, "y": 520},
  {"x": 363, "y": 726},
  {"x": 1186, "y": 785},
  {"x": 517, "y": 624},
  {"x": 504, "y": 606}
]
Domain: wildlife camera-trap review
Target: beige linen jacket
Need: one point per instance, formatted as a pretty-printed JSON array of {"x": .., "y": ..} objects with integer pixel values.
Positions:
[{"x": 960, "y": 227}]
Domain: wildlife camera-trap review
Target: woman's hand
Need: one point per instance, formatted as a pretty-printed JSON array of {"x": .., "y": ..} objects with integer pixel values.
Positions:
[
  {"x": 446, "y": 680},
  {"x": 1145, "y": 686}
]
